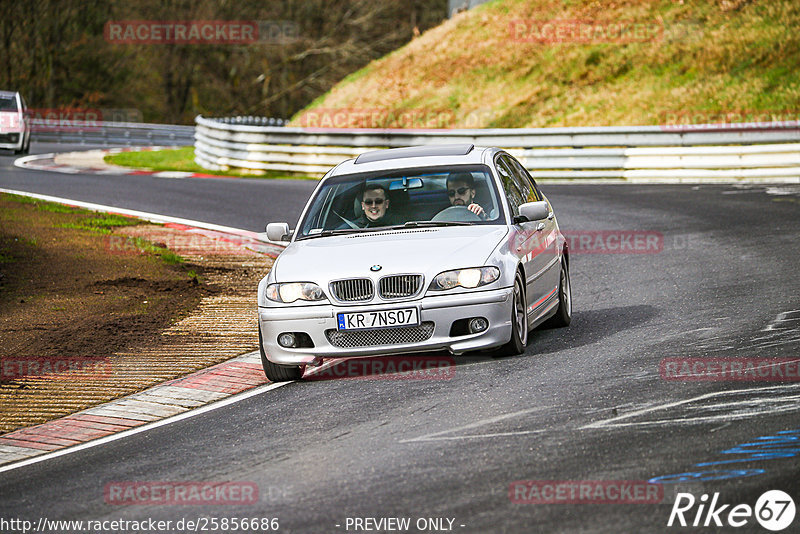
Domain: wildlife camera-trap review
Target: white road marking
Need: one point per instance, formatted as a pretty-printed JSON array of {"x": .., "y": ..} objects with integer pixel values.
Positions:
[
  {"x": 173, "y": 174},
  {"x": 764, "y": 405},
  {"x": 109, "y": 410},
  {"x": 782, "y": 318},
  {"x": 149, "y": 426},
  {"x": 476, "y": 436},
  {"x": 476, "y": 424},
  {"x": 112, "y": 409},
  {"x": 20, "y": 162},
  {"x": 152, "y": 217}
]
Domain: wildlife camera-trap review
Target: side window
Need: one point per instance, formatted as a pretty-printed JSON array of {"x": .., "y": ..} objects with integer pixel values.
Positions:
[
  {"x": 522, "y": 179},
  {"x": 513, "y": 193},
  {"x": 524, "y": 176}
]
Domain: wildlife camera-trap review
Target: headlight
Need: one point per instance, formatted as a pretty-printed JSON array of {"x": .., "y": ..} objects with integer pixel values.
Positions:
[
  {"x": 468, "y": 278},
  {"x": 287, "y": 293}
]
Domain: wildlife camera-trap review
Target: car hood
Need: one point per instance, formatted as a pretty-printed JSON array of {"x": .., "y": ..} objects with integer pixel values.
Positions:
[
  {"x": 420, "y": 250},
  {"x": 9, "y": 121}
]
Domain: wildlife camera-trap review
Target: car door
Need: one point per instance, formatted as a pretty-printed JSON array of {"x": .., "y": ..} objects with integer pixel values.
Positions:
[
  {"x": 525, "y": 238},
  {"x": 548, "y": 262}
]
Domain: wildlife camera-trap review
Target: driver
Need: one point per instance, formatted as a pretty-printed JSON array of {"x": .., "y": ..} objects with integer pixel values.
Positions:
[{"x": 461, "y": 192}]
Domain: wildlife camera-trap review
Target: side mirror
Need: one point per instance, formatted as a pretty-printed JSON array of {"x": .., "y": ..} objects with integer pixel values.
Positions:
[
  {"x": 278, "y": 232},
  {"x": 535, "y": 211}
]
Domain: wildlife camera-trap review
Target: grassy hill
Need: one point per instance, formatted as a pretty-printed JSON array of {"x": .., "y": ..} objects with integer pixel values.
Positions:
[{"x": 500, "y": 65}]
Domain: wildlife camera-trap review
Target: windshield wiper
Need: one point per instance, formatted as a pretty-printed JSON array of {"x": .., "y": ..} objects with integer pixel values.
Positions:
[
  {"x": 409, "y": 224},
  {"x": 343, "y": 231},
  {"x": 422, "y": 224}
]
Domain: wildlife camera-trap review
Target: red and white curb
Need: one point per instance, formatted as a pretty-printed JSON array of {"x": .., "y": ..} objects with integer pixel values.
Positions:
[
  {"x": 48, "y": 162},
  {"x": 165, "y": 400},
  {"x": 184, "y": 397}
]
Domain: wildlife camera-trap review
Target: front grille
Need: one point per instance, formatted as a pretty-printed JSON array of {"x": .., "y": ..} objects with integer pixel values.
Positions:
[
  {"x": 399, "y": 286},
  {"x": 353, "y": 290},
  {"x": 9, "y": 138},
  {"x": 384, "y": 336}
]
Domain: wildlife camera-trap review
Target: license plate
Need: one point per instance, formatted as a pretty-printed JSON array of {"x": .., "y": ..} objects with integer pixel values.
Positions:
[{"x": 378, "y": 319}]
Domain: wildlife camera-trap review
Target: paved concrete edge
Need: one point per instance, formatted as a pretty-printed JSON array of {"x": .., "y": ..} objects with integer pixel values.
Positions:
[
  {"x": 159, "y": 402},
  {"x": 91, "y": 162}
]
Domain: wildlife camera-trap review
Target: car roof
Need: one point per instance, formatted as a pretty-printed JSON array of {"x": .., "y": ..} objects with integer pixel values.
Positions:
[
  {"x": 415, "y": 156},
  {"x": 8, "y": 93}
]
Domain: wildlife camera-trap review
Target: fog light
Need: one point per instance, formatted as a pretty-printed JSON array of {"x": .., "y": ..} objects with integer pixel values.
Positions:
[
  {"x": 287, "y": 340},
  {"x": 478, "y": 324}
]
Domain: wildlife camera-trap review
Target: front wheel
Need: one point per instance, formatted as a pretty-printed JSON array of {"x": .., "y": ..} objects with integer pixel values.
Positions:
[
  {"x": 563, "y": 315},
  {"x": 519, "y": 322},
  {"x": 276, "y": 372}
]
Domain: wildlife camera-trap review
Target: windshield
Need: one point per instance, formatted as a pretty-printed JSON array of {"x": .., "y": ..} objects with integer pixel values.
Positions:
[
  {"x": 440, "y": 196},
  {"x": 8, "y": 103}
]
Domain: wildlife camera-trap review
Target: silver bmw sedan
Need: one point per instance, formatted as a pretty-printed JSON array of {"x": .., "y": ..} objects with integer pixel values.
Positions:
[{"x": 406, "y": 250}]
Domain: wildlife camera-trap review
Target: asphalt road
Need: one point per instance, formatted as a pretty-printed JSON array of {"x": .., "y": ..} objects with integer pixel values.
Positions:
[
  {"x": 586, "y": 403},
  {"x": 205, "y": 199}
]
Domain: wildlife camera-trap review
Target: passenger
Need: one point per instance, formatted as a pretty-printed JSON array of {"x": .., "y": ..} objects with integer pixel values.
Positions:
[
  {"x": 461, "y": 192},
  {"x": 375, "y": 203}
]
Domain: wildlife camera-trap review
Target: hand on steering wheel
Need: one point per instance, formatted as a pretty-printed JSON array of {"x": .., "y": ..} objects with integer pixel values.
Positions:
[{"x": 477, "y": 210}]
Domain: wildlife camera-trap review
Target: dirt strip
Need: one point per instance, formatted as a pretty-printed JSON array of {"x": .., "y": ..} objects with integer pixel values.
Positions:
[{"x": 219, "y": 325}]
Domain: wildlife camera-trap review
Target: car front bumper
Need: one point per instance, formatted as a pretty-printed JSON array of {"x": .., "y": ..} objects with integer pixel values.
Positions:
[
  {"x": 12, "y": 140},
  {"x": 320, "y": 323}
]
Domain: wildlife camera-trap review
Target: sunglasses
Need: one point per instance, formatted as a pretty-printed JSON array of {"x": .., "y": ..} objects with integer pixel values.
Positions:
[
  {"x": 460, "y": 191},
  {"x": 371, "y": 201}
]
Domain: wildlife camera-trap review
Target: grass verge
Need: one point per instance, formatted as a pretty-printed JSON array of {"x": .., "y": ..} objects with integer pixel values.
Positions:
[
  {"x": 495, "y": 66},
  {"x": 182, "y": 160}
]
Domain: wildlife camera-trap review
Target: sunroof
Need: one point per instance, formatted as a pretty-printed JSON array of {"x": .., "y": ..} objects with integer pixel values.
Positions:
[{"x": 415, "y": 152}]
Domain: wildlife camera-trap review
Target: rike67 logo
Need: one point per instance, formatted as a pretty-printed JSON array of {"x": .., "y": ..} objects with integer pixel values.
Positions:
[{"x": 774, "y": 510}]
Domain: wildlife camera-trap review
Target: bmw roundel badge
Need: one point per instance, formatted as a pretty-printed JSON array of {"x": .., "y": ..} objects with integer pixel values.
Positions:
[{"x": 375, "y": 268}]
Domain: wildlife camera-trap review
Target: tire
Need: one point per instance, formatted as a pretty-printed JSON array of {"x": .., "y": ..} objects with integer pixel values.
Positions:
[
  {"x": 27, "y": 148},
  {"x": 519, "y": 322},
  {"x": 563, "y": 315},
  {"x": 276, "y": 372}
]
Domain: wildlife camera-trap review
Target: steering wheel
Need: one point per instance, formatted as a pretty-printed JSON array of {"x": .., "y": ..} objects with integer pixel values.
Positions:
[{"x": 456, "y": 214}]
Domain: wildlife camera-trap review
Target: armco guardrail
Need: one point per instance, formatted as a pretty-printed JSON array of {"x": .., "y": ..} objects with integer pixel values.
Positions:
[
  {"x": 694, "y": 151},
  {"x": 112, "y": 133}
]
